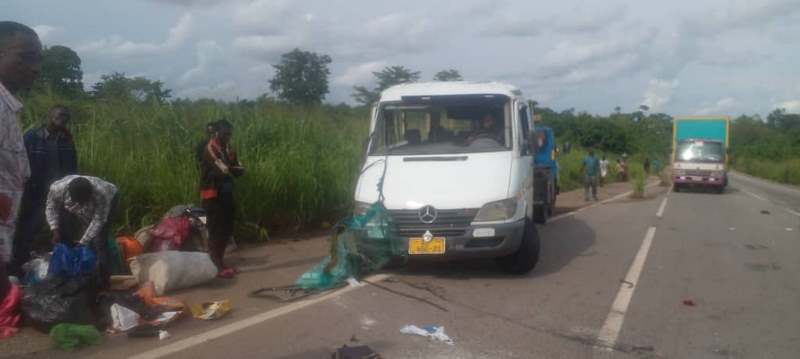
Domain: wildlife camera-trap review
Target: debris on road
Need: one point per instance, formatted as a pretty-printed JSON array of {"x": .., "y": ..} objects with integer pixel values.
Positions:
[
  {"x": 123, "y": 319},
  {"x": 359, "y": 245},
  {"x": 689, "y": 303},
  {"x": 432, "y": 331},
  {"x": 211, "y": 310},
  {"x": 10, "y": 317},
  {"x": 359, "y": 352},
  {"x": 764, "y": 211},
  {"x": 70, "y": 337},
  {"x": 171, "y": 270},
  {"x": 163, "y": 335}
]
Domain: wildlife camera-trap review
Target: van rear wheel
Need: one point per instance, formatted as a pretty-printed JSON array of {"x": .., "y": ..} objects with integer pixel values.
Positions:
[{"x": 527, "y": 255}]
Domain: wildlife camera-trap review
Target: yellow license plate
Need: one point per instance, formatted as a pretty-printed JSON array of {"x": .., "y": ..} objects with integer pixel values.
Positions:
[{"x": 419, "y": 246}]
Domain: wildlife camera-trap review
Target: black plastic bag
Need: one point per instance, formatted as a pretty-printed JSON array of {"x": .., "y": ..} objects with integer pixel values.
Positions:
[{"x": 59, "y": 300}]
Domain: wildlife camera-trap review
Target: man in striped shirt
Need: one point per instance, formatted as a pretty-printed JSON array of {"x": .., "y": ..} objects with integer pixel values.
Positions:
[
  {"x": 76, "y": 202},
  {"x": 20, "y": 64}
]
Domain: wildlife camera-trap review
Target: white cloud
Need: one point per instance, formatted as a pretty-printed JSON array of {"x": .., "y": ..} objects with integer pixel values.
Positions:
[
  {"x": 264, "y": 16},
  {"x": 207, "y": 53},
  {"x": 265, "y": 46},
  {"x": 44, "y": 32},
  {"x": 659, "y": 93},
  {"x": 199, "y": 3},
  {"x": 360, "y": 74},
  {"x": 791, "y": 106},
  {"x": 723, "y": 106},
  {"x": 583, "y": 20},
  {"x": 117, "y": 46}
]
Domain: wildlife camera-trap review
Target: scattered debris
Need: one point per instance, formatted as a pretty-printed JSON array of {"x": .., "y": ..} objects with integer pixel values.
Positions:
[
  {"x": 630, "y": 285},
  {"x": 431, "y": 331},
  {"x": 144, "y": 331},
  {"x": 731, "y": 228},
  {"x": 211, "y": 310},
  {"x": 764, "y": 211},
  {"x": 354, "y": 282},
  {"x": 123, "y": 319},
  {"x": 359, "y": 352},
  {"x": 70, "y": 337},
  {"x": 689, "y": 302},
  {"x": 789, "y": 229},
  {"x": 163, "y": 334}
]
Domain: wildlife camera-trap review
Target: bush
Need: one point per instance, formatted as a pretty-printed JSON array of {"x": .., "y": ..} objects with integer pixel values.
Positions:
[
  {"x": 784, "y": 171},
  {"x": 638, "y": 179}
]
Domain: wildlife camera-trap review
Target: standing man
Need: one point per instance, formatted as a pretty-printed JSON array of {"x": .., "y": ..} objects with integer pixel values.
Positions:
[
  {"x": 590, "y": 168},
  {"x": 603, "y": 170},
  {"x": 20, "y": 64},
  {"x": 75, "y": 202},
  {"x": 646, "y": 166},
  {"x": 52, "y": 155},
  {"x": 217, "y": 171}
]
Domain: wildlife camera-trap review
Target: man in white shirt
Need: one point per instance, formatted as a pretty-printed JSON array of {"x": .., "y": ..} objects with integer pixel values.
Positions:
[
  {"x": 75, "y": 202},
  {"x": 20, "y": 64}
]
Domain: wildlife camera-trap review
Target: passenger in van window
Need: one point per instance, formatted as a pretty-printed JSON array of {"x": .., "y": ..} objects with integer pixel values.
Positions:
[
  {"x": 488, "y": 129},
  {"x": 438, "y": 133}
]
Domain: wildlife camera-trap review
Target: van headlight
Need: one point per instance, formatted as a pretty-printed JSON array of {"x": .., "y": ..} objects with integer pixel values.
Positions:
[
  {"x": 679, "y": 172},
  {"x": 717, "y": 174},
  {"x": 361, "y": 208},
  {"x": 497, "y": 210}
]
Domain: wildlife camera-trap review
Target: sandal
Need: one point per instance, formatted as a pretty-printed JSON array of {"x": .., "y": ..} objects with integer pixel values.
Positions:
[{"x": 226, "y": 273}]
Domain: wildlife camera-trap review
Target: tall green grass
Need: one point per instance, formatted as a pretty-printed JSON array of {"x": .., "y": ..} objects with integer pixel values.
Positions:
[
  {"x": 784, "y": 171},
  {"x": 301, "y": 163}
]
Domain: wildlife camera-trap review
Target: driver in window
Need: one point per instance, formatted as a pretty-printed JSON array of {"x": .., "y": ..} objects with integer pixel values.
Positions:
[{"x": 488, "y": 129}]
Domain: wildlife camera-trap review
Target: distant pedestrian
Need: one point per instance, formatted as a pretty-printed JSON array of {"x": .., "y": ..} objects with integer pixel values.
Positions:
[
  {"x": 591, "y": 169},
  {"x": 20, "y": 64},
  {"x": 52, "y": 155},
  {"x": 217, "y": 171},
  {"x": 646, "y": 165},
  {"x": 603, "y": 170},
  {"x": 80, "y": 211}
]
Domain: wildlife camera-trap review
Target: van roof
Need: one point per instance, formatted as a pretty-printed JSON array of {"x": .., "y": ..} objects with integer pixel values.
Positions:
[{"x": 396, "y": 93}]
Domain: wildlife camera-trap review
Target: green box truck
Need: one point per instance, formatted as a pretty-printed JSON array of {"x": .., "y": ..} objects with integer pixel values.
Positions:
[{"x": 699, "y": 152}]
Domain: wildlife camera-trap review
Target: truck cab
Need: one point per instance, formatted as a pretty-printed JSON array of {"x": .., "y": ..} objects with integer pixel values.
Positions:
[
  {"x": 452, "y": 163},
  {"x": 700, "y": 152}
]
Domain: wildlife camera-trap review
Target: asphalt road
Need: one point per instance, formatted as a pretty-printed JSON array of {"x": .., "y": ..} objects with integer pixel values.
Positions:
[{"x": 675, "y": 275}]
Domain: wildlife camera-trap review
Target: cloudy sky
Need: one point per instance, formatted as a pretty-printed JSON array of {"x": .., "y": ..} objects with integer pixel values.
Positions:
[{"x": 679, "y": 57}]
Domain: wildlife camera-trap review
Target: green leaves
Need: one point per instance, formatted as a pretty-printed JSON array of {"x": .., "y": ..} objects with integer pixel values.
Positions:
[{"x": 301, "y": 78}]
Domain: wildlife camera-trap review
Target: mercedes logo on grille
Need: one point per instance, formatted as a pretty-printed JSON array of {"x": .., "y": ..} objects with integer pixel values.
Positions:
[{"x": 427, "y": 214}]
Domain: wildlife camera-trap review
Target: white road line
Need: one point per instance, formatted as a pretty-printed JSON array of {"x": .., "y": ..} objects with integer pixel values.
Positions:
[
  {"x": 244, "y": 323},
  {"x": 753, "y": 194},
  {"x": 792, "y": 212},
  {"x": 607, "y": 337},
  {"x": 660, "y": 212}
]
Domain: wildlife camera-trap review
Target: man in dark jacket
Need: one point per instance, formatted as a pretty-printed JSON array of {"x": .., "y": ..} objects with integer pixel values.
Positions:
[
  {"x": 52, "y": 155},
  {"x": 217, "y": 170}
]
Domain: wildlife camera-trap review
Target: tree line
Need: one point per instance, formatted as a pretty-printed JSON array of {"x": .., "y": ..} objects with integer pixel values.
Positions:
[{"x": 301, "y": 78}]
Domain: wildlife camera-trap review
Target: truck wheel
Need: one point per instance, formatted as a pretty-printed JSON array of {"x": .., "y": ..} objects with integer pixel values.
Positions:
[
  {"x": 540, "y": 213},
  {"x": 527, "y": 255}
]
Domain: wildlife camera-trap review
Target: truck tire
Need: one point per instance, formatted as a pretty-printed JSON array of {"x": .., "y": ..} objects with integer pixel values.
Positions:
[
  {"x": 527, "y": 255},
  {"x": 541, "y": 213}
]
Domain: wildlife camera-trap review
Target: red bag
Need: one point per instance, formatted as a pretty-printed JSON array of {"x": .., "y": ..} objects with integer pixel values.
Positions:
[
  {"x": 10, "y": 317},
  {"x": 169, "y": 234}
]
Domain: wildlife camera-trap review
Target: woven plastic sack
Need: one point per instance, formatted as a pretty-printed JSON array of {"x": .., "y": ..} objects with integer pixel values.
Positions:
[
  {"x": 173, "y": 270},
  {"x": 359, "y": 245},
  {"x": 70, "y": 337}
]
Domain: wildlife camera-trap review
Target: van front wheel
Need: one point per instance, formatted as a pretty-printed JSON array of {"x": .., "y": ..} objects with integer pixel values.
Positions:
[{"x": 527, "y": 255}]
